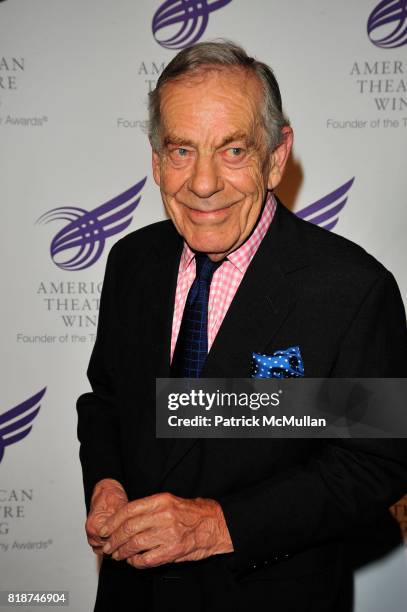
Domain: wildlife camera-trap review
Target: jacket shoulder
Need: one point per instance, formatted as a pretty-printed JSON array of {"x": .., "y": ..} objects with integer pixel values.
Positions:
[
  {"x": 329, "y": 250},
  {"x": 139, "y": 244},
  {"x": 146, "y": 236}
]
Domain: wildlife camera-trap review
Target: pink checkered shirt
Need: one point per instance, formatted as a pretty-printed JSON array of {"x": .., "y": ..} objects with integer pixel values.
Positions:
[{"x": 225, "y": 280}]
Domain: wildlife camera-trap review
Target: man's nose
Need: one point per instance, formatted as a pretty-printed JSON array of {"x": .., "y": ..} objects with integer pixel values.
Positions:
[{"x": 205, "y": 179}]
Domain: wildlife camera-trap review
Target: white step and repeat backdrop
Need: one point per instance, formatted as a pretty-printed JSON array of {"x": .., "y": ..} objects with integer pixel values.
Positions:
[{"x": 74, "y": 77}]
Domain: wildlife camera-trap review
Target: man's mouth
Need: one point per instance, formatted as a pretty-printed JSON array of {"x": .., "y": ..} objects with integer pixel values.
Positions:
[{"x": 210, "y": 212}]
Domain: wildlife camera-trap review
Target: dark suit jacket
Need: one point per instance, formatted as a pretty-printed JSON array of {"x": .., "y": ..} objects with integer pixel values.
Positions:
[{"x": 289, "y": 504}]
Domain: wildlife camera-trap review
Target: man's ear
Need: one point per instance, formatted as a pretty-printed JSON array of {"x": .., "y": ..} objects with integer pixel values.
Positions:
[
  {"x": 279, "y": 158},
  {"x": 156, "y": 167}
]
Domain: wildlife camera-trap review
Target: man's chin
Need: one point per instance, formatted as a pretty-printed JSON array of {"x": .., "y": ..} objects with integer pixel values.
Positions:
[{"x": 214, "y": 249}]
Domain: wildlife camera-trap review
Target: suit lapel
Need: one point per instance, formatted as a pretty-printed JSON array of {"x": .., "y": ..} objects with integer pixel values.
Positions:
[
  {"x": 261, "y": 304},
  {"x": 159, "y": 297},
  {"x": 165, "y": 273}
]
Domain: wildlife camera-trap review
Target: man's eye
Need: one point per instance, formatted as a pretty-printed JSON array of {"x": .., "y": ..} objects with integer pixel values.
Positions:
[
  {"x": 182, "y": 152},
  {"x": 235, "y": 151}
]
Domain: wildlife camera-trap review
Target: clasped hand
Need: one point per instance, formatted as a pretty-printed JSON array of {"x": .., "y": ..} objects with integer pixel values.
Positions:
[{"x": 155, "y": 530}]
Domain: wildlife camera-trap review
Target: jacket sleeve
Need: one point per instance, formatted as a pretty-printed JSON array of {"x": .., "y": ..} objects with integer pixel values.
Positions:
[
  {"x": 98, "y": 430},
  {"x": 350, "y": 481}
]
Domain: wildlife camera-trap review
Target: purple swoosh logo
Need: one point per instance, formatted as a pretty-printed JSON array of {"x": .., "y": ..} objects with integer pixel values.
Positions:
[
  {"x": 15, "y": 424},
  {"x": 387, "y": 24},
  {"x": 324, "y": 212},
  {"x": 180, "y": 23},
  {"x": 82, "y": 240}
]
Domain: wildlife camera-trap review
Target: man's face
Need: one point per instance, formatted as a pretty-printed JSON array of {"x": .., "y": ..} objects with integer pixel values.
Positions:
[{"x": 214, "y": 167}]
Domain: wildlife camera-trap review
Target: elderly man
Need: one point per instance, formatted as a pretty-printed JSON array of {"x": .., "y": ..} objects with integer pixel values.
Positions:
[{"x": 230, "y": 524}]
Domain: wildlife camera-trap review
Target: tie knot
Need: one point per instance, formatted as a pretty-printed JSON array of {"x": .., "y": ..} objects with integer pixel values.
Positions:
[{"x": 205, "y": 267}]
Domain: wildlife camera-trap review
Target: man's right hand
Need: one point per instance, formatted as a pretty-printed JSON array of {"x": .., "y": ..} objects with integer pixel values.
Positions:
[{"x": 108, "y": 497}]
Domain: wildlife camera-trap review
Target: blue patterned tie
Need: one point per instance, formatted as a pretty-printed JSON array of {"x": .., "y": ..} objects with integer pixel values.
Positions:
[{"x": 192, "y": 343}]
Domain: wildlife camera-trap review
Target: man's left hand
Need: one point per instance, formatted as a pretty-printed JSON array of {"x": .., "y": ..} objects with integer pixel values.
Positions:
[{"x": 164, "y": 528}]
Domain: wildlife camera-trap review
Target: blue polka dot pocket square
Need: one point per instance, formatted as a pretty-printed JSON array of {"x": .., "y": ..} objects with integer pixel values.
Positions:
[{"x": 284, "y": 363}]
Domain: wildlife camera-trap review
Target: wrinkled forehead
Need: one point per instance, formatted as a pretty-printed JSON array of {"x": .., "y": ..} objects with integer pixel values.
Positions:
[{"x": 212, "y": 95}]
